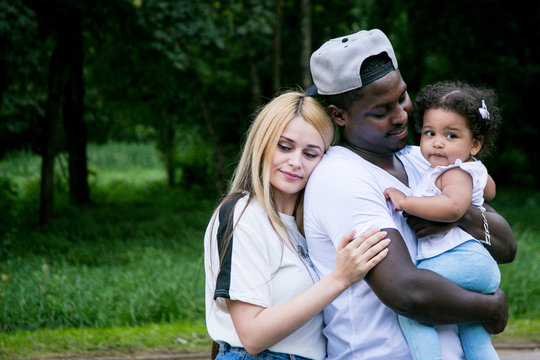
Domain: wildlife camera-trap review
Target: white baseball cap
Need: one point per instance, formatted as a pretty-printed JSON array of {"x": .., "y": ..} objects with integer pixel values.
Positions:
[{"x": 335, "y": 66}]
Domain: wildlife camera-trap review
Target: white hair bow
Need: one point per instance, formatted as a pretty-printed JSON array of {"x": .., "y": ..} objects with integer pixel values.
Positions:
[{"x": 484, "y": 111}]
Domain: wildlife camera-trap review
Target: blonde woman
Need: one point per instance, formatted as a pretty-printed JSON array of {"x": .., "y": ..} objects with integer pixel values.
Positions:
[{"x": 263, "y": 299}]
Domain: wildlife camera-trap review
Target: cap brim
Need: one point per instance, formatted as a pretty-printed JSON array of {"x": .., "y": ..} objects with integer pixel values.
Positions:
[{"x": 312, "y": 90}]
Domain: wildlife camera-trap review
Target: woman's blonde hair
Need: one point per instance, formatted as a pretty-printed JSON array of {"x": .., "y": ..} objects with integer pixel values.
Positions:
[{"x": 252, "y": 176}]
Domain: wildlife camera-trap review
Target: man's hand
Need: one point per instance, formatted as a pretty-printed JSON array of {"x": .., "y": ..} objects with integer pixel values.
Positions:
[
  {"x": 496, "y": 327},
  {"x": 424, "y": 227}
]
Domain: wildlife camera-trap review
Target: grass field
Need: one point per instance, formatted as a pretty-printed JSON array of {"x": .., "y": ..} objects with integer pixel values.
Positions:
[{"x": 125, "y": 274}]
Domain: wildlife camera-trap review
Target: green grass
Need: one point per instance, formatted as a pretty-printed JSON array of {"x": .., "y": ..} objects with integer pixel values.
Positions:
[
  {"x": 125, "y": 274},
  {"x": 184, "y": 337},
  {"x": 520, "y": 279}
]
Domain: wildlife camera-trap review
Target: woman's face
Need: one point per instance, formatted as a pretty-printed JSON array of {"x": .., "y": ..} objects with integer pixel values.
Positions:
[{"x": 299, "y": 150}]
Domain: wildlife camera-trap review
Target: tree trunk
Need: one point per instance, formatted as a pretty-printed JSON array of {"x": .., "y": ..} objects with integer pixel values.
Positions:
[
  {"x": 74, "y": 126},
  {"x": 305, "y": 53},
  {"x": 52, "y": 120},
  {"x": 219, "y": 159},
  {"x": 168, "y": 153},
  {"x": 3, "y": 79},
  {"x": 276, "y": 47},
  {"x": 256, "y": 91}
]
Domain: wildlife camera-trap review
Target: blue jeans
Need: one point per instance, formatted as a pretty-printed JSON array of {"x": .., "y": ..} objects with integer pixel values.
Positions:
[
  {"x": 228, "y": 352},
  {"x": 470, "y": 266}
]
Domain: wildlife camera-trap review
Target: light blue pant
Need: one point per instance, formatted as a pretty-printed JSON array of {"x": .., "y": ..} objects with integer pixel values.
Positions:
[{"x": 470, "y": 266}]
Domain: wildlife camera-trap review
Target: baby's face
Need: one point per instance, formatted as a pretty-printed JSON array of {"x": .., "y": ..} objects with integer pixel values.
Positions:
[{"x": 446, "y": 138}]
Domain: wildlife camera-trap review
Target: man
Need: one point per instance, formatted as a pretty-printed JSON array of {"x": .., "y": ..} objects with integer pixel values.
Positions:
[{"x": 358, "y": 77}]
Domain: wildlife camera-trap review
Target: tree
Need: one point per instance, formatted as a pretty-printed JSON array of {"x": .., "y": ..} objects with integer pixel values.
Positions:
[
  {"x": 305, "y": 53},
  {"x": 22, "y": 86},
  {"x": 64, "y": 102}
]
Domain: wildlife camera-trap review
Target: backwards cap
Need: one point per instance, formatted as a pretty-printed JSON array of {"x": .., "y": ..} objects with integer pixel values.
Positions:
[{"x": 335, "y": 66}]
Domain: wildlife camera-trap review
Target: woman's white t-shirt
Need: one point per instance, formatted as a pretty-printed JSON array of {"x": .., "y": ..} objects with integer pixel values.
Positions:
[{"x": 260, "y": 270}]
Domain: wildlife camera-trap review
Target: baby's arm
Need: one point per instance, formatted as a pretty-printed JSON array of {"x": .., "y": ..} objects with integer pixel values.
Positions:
[
  {"x": 490, "y": 189},
  {"x": 456, "y": 188}
]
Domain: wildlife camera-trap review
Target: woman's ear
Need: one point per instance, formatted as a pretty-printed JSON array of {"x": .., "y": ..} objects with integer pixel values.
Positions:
[{"x": 337, "y": 115}]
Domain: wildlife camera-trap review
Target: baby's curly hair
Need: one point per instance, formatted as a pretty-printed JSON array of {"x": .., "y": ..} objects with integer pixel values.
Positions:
[{"x": 465, "y": 100}]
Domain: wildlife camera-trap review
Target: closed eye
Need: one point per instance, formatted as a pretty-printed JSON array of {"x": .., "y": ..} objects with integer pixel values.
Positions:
[{"x": 283, "y": 147}]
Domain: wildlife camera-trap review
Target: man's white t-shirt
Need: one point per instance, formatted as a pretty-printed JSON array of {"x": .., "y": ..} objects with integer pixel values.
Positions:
[
  {"x": 344, "y": 192},
  {"x": 260, "y": 270}
]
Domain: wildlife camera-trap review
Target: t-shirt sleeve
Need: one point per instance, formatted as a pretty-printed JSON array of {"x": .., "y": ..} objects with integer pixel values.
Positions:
[
  {"x": 479, "y": 174},
  {"x": 354, "y": 200},
  {"x": 247, "y": 263}
]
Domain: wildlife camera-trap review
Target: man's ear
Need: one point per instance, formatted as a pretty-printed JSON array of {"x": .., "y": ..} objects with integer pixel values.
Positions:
[{"x": 337, "y": 114}]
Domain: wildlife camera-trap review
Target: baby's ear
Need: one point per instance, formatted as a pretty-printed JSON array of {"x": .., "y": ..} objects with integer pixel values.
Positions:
[{"x": 476, "y": 145}]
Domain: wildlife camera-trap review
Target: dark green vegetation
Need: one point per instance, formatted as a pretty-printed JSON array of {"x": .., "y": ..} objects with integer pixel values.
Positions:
[
  {"x": 133, "y": 257},
  {"x": 106, "y": 239},
  {"x": 187, "y": 74}
]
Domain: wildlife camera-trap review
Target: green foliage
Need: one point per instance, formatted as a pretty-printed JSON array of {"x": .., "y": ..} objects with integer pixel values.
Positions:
[
  {"x": 132, "y": 258},
  {"x": 521, "y": 278},
  {"x": 22, "y": 93},
  {"x": 8, "y": 211},
  {"x": 136, "y": 284},
  {"x": 123, "y": 264}
]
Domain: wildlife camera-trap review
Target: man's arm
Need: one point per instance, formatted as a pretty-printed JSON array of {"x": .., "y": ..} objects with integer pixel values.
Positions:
[
  {"x": 428, "y": 297},
  {"x": 503, "y": 245}
]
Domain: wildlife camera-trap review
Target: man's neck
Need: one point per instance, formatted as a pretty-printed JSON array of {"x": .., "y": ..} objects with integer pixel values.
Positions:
[{"x": 388, "y": 162}]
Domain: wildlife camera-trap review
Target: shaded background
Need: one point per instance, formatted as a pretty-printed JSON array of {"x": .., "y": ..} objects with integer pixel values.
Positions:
[{"x": 187, "y": 75}]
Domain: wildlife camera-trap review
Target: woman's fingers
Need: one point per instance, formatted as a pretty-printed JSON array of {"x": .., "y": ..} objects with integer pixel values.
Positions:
[
  {"x": 355, "y": 257},
  {"x": 370, "y": 264},
  {"x": 345, "y": 240},
  {"x": 367, "y": 239},
  {"x": 373, "y": 252}
]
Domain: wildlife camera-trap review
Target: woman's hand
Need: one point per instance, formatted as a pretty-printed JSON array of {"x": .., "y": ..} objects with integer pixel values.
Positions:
[
  {"x": 259, "y": 328},
  {"x": 355, "y": 257}
]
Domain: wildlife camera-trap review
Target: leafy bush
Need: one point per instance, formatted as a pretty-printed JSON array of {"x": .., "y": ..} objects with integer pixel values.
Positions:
[{"x": 8, "y": 212}]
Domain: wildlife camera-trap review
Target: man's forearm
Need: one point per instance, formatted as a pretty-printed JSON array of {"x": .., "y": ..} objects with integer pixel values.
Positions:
[
  {"x": 427, "y": 296},
  {"x": 503, "y": 245}
]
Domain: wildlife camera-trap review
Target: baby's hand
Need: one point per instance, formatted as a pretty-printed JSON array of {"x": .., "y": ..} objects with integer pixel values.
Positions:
[{"x": 395, "y": 196}]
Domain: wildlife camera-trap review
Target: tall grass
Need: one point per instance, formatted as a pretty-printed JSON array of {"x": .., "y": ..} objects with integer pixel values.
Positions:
[
  {"x": 134, "y": 257},
  {"x": 521, "y": 278}
]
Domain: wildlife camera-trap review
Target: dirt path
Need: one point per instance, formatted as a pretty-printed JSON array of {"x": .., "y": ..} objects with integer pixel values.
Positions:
[{"x": 507, "y": 352}]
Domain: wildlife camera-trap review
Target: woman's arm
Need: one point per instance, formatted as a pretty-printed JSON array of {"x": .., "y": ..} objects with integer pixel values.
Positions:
[
  {"x": 456, "y": 195},
  {"x": 428, "y": 297},
  {"x": 259, "y": 328}
]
